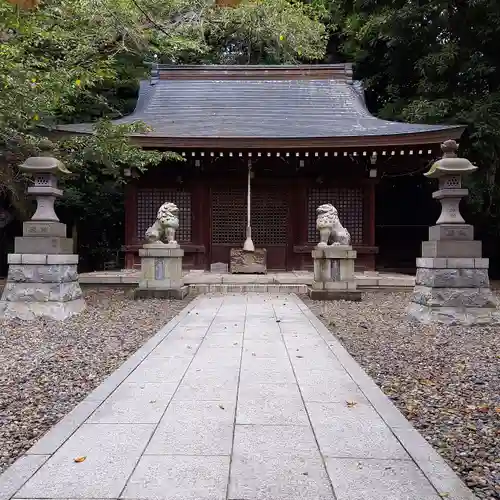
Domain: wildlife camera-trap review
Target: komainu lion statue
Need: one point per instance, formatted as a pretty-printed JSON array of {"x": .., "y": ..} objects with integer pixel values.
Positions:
[
  {"x": 167, "y": 222},
  {"x": 331, "y": 231}
]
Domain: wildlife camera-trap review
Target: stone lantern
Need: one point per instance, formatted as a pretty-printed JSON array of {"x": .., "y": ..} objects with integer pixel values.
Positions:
[
  {"x": 452, "y": 283},
  {"x": 43, "y": 277},
  {"x": 449, "y": 170},
  {"x": 44, "y": 170}
]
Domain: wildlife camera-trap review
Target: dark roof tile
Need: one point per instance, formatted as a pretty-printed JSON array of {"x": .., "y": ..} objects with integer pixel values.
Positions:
[{"x": 252, "y": 108}]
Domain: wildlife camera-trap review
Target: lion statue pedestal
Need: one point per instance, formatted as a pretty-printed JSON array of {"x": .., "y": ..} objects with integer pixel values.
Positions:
[
  {"x": 161, "y": 262},
  {"x": 333, "y": 260}
]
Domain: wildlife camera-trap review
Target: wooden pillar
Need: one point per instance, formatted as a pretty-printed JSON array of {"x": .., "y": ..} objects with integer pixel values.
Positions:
[
  {"x": 370, "y": 228},
  {"x": 297, "y": 222},
  {"x": 130, "y": 223},
  {"x": 368, "y": 260},
  {"x": 198, "y": 220}
]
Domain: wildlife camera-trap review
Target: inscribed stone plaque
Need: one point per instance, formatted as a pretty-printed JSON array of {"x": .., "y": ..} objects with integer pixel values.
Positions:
[
  {"x": 335, "y": 273},
  {"x": 159, "y": 269},
  {"x": 219, "y": 268},
  {"x": 461, "y": 232}
]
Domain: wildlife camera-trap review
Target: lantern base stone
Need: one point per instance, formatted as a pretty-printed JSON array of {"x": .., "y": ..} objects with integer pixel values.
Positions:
[
  {"x": 453, "y": 291},
  {"x": 43, "y": 245},
  {"x": 452, "y": 248},
  {"x": 452, "y": 316},
  {"x": 455, "y": 232},
  {"x": 48, "y": 228},
  {"x": 41, "y": 285}
]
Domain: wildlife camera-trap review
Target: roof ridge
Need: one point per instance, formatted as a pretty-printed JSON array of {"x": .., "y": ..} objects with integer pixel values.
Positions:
[{"x": 340, "y": 71}]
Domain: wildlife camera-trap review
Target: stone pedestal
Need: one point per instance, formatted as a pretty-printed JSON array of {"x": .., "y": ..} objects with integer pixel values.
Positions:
[
  {"x": 43, "y": 277},
  {"x": 161, "y": 269},
  {"x": 452, "y": 286},
  {"x": 244, "y": 262},
  {"x": 42, "y": 285},
  {"x": 334, "y": 274},
  {"x": 453, "y": 291}
]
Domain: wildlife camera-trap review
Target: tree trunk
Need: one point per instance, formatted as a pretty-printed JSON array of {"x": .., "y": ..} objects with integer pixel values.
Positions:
[{"x": 25, "y": 4}]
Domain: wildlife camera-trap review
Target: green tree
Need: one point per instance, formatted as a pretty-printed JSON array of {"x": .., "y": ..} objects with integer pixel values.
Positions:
[
  {"x": 265, "y": 32},
  {"x": 80, "y": 60},
  {"x": 432, "y": 61}
]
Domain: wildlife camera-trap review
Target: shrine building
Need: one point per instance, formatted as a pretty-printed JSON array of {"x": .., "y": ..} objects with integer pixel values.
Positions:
[{"x": 300, "y": 135}]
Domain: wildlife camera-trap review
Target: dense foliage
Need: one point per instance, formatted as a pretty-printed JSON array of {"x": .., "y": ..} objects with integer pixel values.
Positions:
[
  {"x": 80, "y": 60},
  {"x": 432, "y": 61}
]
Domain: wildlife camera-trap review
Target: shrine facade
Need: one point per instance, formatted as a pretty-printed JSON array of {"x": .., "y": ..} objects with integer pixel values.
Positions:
[{"x": 301, "y": 136}]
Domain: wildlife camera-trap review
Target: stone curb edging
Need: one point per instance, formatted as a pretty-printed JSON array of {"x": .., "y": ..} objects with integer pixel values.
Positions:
[
  {"x": 21, "y": 471},
  {"x": 445, "y": 481}
]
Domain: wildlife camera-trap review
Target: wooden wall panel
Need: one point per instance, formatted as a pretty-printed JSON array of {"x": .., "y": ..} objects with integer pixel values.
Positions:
[{"x": 347, "y": 201}]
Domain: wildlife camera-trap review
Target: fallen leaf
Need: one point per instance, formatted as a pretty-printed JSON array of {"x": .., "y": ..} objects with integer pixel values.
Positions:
[
  {"x": 305, "y": 473},
  {"x": 351, "y": 404},
  {"x": 221, "y": 407},
  {"x": 444, "y": 495},
  {"x": 153, "y": 401},
  {"x": 299, "y": 356},
  {"x": 278, "y": 321},
  {"x": 79, "y": 460}
]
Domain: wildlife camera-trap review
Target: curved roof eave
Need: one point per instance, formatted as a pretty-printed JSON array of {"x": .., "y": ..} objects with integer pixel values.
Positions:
[{"x": 435, "y": 136}]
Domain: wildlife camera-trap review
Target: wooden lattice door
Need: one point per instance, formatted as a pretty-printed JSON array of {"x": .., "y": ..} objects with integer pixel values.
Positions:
[
  {"x": 269, "y": 220},
  {"x": 270, "y": 228}
]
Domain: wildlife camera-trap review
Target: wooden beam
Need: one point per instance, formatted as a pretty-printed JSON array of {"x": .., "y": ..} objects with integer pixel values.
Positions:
[{"x": 130, "y": 222}]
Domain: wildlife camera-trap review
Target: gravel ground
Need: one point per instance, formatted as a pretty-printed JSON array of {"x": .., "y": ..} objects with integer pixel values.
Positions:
[
  {"x": 46, "y": 367},
  {"x": 446, "y": 380}
]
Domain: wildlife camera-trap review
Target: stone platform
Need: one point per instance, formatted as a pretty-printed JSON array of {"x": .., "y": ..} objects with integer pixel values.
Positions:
[
  {"x": 244, "y": 396},
  {"x": 279, "y": 282}
]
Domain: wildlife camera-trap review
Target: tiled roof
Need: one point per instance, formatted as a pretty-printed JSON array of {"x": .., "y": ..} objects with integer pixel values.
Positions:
[{"x": 295, "y": 108}]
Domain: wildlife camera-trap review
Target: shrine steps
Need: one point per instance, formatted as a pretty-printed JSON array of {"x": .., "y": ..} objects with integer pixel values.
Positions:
[{"x": 281, "y": 282}]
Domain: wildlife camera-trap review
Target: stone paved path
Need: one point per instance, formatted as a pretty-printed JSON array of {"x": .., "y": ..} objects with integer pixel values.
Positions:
[{"x": 242, "y": 397}]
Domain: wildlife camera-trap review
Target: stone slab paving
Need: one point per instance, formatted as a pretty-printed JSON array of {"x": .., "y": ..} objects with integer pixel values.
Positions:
[{"x": 240, "y": 397}]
